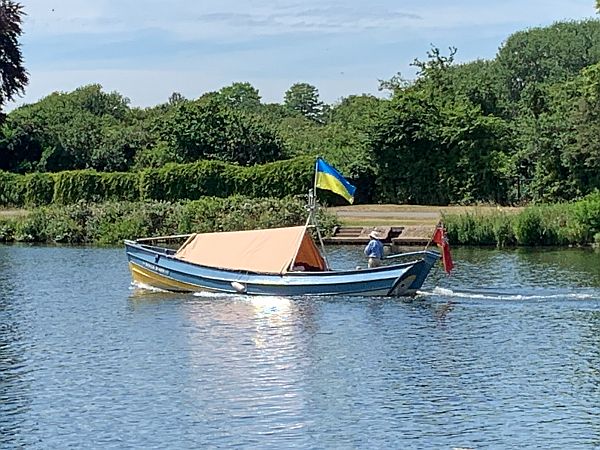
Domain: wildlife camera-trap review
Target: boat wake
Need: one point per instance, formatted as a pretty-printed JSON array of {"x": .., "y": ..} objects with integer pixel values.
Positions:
[
  {"x": 212, "y": 295},
  {"x": 483, "y": 295},
  {"x": 136, "y": 285}
]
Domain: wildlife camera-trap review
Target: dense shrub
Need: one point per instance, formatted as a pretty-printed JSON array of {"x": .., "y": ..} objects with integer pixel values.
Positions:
[
  {"x": 278, "y": 179},
  {"x": 575, "y": 223},
  {"x": 89, "y": 185},
  {"x": 186, "y": 181},
  {"x": 481, "y": 229},
  {"x": 173, "y": 182},
  {"x": 587, "y": 214},
  {"x": 217, "y": 179},
  {"x": 38, "y": 189},
  {"x": 12, "y": 189},
  {"x": 111, "y": 222},
  {"x": 528, "y": 227}
]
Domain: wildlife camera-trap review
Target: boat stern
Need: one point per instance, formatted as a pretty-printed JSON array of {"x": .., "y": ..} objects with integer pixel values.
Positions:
[{"x": 412, "y": 280}]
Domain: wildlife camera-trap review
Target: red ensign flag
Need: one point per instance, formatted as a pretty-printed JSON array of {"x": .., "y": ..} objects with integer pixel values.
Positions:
[{"x": 440, "y": 238}]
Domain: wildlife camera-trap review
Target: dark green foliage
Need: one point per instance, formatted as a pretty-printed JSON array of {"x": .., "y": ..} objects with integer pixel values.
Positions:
[
  {"x": 13, "y": 76},
  {"x": 19, "y": 149},
  {"x": 551, "y": 54},
  {"x": 241, "y": 96},
  {"x": 528, "y": 227},
  {"x": 240, "y": 213},
  {"x": 186, "y": 181},
  {"x": 209, "y": 129},
  {"x": 213, "y": 178},
  {"x": 430, "y": 152},
  {"x": 92, "y": 186},
  {"x": 12, "y": 189},
  {"x": 278, "y": 179},
  {"x": 479, "y": 229},
  {"x": 39, "y": 189},
  {"x": 303, "y": 98},
  {"x": 587, "y": 215},
  {"x": 172, "y": 182},
  {"x": 111, "y": 222},
  {"x": 86, "y": 128},
  {"x": 7, "y": 230}
]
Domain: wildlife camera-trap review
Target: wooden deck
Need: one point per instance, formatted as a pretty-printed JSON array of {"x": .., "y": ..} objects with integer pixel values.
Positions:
[{"x": 394, "y": 235}]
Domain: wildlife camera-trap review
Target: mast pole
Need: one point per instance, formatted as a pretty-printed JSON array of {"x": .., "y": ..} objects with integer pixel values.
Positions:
[{"x": 312, "y": 215}]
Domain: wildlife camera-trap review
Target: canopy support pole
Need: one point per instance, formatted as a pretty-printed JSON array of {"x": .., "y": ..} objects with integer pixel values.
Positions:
[{"x": 312, "y": 219}]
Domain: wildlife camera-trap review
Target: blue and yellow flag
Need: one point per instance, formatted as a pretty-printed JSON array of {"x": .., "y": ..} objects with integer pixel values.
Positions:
[{"x": 329, "y": 178}]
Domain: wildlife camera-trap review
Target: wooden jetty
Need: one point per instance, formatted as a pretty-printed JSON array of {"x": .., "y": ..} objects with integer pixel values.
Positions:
[{"x": 402, "y": 236}]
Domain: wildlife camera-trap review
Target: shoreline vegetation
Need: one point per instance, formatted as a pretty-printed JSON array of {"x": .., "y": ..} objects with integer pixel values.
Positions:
[
  {"x": 519, "y": 129},
  {"x": 562, "y": 224},
  {"x": 109, "y": 223}
]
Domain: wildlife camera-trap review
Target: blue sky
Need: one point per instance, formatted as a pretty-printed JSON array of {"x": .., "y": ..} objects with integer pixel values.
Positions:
[{"x": 148, "y": 49}]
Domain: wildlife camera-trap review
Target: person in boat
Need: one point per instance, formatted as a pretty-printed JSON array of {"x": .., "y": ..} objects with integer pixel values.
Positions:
[{"x": 374, "y": 250}]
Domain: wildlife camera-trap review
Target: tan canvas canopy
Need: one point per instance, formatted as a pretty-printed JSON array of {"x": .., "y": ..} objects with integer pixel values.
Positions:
[{"x": 263, "y": 251}]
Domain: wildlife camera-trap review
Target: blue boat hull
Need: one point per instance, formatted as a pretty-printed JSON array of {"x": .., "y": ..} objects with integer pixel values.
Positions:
[{"x": 157, "y": 267}]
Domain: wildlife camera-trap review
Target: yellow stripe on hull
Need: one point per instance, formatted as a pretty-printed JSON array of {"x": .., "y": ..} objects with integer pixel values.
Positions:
[{"x": 145, "y": 276}]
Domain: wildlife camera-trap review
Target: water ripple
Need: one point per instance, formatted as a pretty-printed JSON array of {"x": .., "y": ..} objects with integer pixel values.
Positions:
[{"x": 503, "y": 354}]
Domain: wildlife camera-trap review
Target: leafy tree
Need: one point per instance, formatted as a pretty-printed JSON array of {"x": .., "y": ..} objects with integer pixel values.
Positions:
[
  {"x": 435, "y": 71},
  {"x": 582, "y": 152},
  {"x": 434, "y": 145},
  {"x": 303, "y": 98},
  {"x": 13, "y": 77},
  {"x": 207, "y": 129},
  {"x": 550, "y": 54},
  {"x": 91, "y": 98},
  {"x": 396, "y": 83},
  {"x": 175, "y": 98},
  {"x": 242, "y": 96},
  {"x": 480, "y": 82},
  {"x": 74, "y": 130},
  {"x": 19, "y": 150}
]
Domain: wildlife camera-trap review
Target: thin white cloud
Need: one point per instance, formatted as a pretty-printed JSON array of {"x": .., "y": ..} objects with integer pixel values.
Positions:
[
  {"x": 227, "y": 18},
  {"x": 341, "y": 46},
  {"x": 207, "y": 19}
]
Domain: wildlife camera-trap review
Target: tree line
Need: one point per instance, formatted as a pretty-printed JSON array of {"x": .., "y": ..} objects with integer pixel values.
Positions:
[{"x": 522, "y": 127}]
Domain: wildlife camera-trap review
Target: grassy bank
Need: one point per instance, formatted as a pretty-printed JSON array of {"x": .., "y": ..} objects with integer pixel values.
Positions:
[
  {"x": 576, "y": 223},
  {"x": 111, "y": 222}
]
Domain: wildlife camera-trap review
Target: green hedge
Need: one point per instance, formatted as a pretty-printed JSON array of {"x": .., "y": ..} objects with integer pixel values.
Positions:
[
  {"x": 12, "y": 189},
  {"x": 38, "y": 189},
  {"x": 186, "y": 181},
  {"x": 172, "y": 182},
  {"x": 217, "y": 179},
  {"x": 92, "y": 186}
]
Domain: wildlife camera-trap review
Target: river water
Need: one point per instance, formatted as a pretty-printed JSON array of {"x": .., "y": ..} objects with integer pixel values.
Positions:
[{"x": 505, "y": 353}]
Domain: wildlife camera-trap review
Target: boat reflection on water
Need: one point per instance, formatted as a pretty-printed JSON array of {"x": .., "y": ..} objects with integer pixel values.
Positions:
[
  {"x": 256, "y": 348},
  {"x": 271, "y": 316}
]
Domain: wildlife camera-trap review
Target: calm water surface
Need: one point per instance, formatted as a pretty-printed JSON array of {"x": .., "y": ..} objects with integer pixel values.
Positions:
[{"x": 505, "y": 353}]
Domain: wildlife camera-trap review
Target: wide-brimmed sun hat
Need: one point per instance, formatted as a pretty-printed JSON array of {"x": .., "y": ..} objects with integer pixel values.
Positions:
[{"x": 374, "y": 234}]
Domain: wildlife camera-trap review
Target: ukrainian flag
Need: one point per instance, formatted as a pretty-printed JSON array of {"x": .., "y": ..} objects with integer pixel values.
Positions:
[{"x": 329, "y": 178}]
